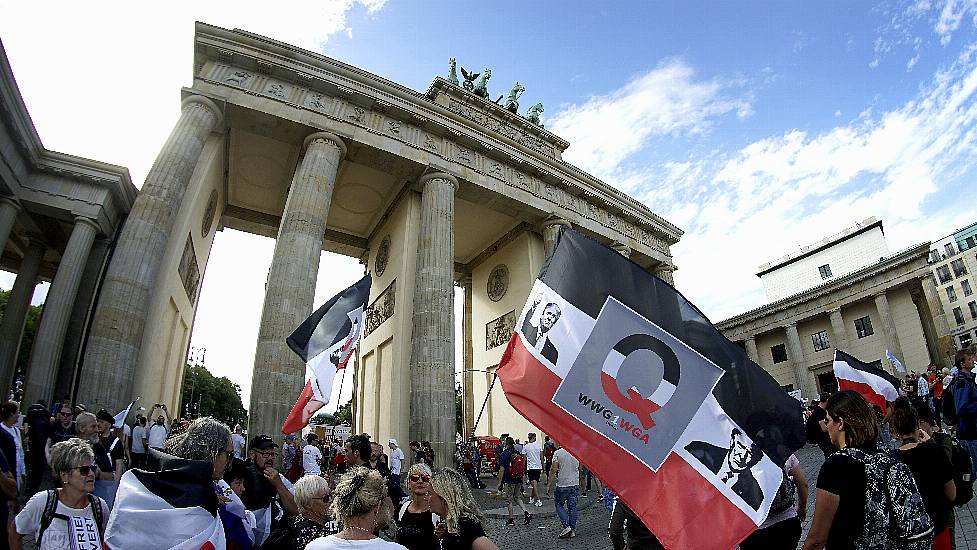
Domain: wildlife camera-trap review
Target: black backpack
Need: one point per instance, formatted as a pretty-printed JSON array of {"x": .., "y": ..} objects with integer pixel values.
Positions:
[
  {"x": 962, "y": 467},
  {"x": 50, "y": 513},
  {"x": 784, "y": 498}
]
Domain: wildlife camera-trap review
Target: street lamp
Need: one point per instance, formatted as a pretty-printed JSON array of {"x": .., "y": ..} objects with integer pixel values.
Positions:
[{"x": 197, "y": 356}]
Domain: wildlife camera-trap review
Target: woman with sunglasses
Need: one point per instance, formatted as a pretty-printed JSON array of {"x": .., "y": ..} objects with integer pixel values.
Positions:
[
  {"x": 415, "y": 521},
  {"x": 358, "y": 503},
  {"x": 462, "y": 525},
  {"x": 312, "y": 496},
  {"x": 72, "y": 462}
]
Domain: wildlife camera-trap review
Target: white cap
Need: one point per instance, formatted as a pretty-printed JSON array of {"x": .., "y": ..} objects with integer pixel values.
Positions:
[{"x": 392, "y": 441}]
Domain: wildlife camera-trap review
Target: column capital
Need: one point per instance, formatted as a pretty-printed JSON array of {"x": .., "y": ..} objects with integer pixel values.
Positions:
[
  {"x": 553, "y": 221},
  {"x": 325, "y": 136},
  {"x": 365, "y": 257},
  {"x": 750, "y": 337},
  {"x": 878, "y": 295},
  {"x": 791, "y": 325},
  {"x": 621, "y": 248},
  {"x": 434, "y": 176},
  {"x": 465, "y": 281},
  {"x": 12, "y": 201},
  {"x": 206, "y": 102},
  {"x": 88, "y": 221}
]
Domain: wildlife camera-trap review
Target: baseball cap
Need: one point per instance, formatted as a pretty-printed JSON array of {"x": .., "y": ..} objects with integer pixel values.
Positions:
[
  {"x": 105, "y": 416},
  {"x": 392, "y": 441},
  {"x": 262, "y": 442}
]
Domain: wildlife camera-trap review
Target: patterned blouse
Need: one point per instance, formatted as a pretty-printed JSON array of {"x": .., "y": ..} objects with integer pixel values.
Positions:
[{"x": 305, "y": 531}]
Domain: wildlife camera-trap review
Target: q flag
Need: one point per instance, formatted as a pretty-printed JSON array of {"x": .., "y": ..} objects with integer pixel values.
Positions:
[
  {"x": 175, "y": 508},
  {"x": 635, "y": 382},
  {"x": 876, "y": 385},
  {"x": 325, "y": 342}
]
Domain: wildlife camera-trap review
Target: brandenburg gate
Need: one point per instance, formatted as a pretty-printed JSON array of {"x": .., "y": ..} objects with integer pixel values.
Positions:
[{"x": 429, "y": 190}]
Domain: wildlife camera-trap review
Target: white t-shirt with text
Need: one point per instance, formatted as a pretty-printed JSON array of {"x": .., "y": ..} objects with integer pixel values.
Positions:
[
  {"x": 58, "y": 534},
  {"x": 568, "y": 476},
  {"x": 333, "y": 542},
  {"x": 532, "y": 450},
  {"x": 311, "y": 456}
]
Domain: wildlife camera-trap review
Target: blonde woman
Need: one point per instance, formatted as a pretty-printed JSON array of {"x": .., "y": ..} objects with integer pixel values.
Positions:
[
  {"x": 415, "y": 521},
  {"x": 358, "y": 502},
  {"x": 462, "y": 525}
]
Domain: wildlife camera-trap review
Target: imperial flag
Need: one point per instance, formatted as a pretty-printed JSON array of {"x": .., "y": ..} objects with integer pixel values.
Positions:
[
  {"x": 325, "y": 342},
  {"x": 876, "y": 385},
  {"x": 635, "y": 382}
]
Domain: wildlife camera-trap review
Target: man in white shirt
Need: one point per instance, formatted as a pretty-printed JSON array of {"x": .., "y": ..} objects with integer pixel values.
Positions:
[
  {"x": 137, "y": 450},
  {"x": 237, "y": 441},
  {"x": 567, "y": 477},
  {"x": 534, "y": 467},
  {"x": 396, "y": 465},
  {"x": 312, "y": 456}
]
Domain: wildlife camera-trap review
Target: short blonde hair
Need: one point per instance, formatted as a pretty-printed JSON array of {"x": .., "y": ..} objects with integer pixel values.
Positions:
[
  {"x": 419, "y": 468},
  {"x": 70, "y": 454},
  {"x": 455, "y": 490},
  {"x": 358, "y": 491},
  {"x": 306, "y": 489}
]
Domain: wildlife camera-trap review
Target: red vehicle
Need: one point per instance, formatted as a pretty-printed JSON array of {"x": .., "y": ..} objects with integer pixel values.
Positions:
[{"x": 486, "y": 447}]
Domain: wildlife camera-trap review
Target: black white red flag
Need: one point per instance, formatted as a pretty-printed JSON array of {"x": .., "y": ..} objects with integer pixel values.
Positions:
[
  {"x": 325, "y": 342},
  {"x": 635, "y": 382},
  {"x": 173, "y": 509},
  {"x": 877, "y": 386}
]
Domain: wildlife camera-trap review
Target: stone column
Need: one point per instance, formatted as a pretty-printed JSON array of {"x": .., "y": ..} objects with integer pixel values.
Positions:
[
  {"x": 929, "y": 329},
  {"x": 664, "y": 272},
  {"x": 751, "y": 349},
  {"x": 15, "y": 314},
  {"x": 432, "y": 396},
  {"x": 9, "y": 208},
  {"x": 838, "y": 333},
  {"x": 120, "y": 318},
  {"x": 804, "y": 379},
  {"x": 468, "y": 352},
  {"x": 888, "y": 327},
  {"x": 46, "y": 353},
  {"x": 940, "y": 323},
  {"x": 278, "y": 373},
  {"x": 550, "y": 227},
  {"x": 622, "y": 249}
]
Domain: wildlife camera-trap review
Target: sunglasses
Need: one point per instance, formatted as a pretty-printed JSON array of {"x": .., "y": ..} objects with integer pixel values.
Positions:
[
  {"x": 85, "y": 470},
  {"x": 422, "y": 477}
]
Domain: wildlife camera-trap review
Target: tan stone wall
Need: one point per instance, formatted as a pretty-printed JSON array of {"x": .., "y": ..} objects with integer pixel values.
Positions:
[
  {"x": 869, "y": 348},
  {"x": 162, "y": 358},
  {"x": 383, "y": 381},
  {"x": 524, "y": 257},
  {"x": 782, "y": 372}
]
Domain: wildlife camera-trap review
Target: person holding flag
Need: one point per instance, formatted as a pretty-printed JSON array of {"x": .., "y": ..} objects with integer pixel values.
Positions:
[{"x": 325, "y": 342}]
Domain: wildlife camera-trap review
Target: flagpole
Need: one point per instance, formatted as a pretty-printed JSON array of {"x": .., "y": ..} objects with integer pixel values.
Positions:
[{"x": 488, "y": 394}]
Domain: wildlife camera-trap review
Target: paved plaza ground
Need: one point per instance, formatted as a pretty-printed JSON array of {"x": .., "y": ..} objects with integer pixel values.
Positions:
[{"x": 592, "y": 522}]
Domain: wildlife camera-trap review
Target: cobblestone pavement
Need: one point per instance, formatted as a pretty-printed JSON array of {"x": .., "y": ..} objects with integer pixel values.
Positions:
[{"x": 592, "y": 522}]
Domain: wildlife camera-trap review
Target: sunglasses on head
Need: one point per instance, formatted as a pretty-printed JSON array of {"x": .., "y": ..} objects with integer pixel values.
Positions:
[
  {"x": 85, "y": 470},
  {"x": 420, "y": 477}
]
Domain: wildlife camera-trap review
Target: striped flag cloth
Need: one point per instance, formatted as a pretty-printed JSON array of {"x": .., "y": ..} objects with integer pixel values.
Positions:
[
  {"x": 172, "y": 509},
  {"x": 896, "y": 364},
  {"x": 325, "y": 342},
  {"x": 877, "y": 386},
  {"x": 634, "y": 381},
  {"x": 120, "y": 418}
]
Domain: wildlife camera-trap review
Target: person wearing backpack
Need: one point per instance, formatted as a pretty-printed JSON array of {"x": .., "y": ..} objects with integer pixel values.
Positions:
[
  {"x": 930, "y": 468},
  {"x": 782, "y": 528},
  {"x": 513, "y": 467},
  {"x": 58, "y": 516},
  {"x": 865, "y": 499}
]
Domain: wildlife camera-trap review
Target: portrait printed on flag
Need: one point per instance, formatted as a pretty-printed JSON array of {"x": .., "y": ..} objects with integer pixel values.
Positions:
[
  {"x": 537, "y": 324},
  {"x": 733, "y": 464}
]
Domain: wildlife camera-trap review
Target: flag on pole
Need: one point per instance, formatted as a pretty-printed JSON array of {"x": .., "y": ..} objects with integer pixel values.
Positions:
[
  {"x": 634, "y": 381},
  {"x": 895, "y": 362},
  {"x": 325, "y": 342},
  {"x": 120, "y": 418},
  {"x": 876, "y": 385},
  {"x": 175, "y": 508}
]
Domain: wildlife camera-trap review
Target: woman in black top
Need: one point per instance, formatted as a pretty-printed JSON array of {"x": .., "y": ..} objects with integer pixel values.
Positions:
[
  {"x": 462, "y": 525},
  {"x": 930, "y": 467},
  {"x": 839, "y": 508},
  {"x": 415, "y": 522}
]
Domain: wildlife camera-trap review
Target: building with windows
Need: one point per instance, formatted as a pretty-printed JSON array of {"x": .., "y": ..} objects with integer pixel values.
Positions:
[
  {"x": 954, "y": 262},
  {"x": 847, "y": 292}
]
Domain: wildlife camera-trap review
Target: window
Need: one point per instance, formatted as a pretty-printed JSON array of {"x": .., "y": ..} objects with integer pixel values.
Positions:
[
  {"x": 971, "y": 243},
  {"x": 863, "y": 327},
  {"x": 779, "y": 353},
  {"x": 958, "y": 267},
  {"x": 965, "y": 285},
  {"x": 825, "y": 271},
  {"x": 788, "y": 388},
  {"x": 951, "y": 294},
  {"x": 965, "y": 340},
  {"x": 949, "y": 249},
  {"x": 958, "y": 315},
  {"x": 973, "y": 310},
  {"x": 943, "y": 273},
  {"x": 820, "y": 340}
]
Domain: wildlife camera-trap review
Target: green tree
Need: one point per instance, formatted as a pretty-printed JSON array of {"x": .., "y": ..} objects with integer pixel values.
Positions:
[
  {"x": 344, "y": 414},
  {"x": 205, "y": 395},
  {"x": 30, "y": 330}
]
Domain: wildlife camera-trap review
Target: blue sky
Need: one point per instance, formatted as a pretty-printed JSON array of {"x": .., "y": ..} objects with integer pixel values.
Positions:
[{"x": 757, "y": 127}]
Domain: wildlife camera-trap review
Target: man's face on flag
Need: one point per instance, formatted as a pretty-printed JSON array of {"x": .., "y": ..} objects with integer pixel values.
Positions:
[
  {"x": 551, "y": 314},
  {"x": 740, "y": 452}
]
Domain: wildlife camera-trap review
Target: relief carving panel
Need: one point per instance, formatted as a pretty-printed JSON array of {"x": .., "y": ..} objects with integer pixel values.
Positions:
[
  {"x": 381, "y": 309},
  {"x": 498, "y": 331}
]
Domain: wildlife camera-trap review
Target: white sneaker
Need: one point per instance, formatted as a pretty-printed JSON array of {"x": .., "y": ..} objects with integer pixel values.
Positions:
[
  {"x": 566, "y": 533},
  {"x": 572, "y": 534}
]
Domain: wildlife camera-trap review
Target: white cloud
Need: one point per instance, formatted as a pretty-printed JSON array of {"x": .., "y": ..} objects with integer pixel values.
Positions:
[{"x": 667, "y": 100}]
